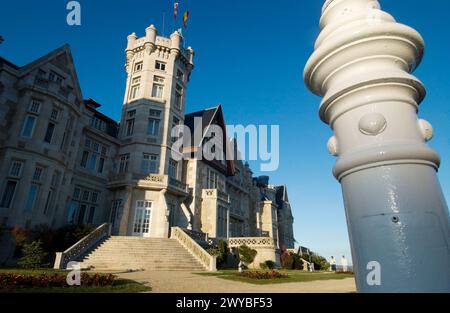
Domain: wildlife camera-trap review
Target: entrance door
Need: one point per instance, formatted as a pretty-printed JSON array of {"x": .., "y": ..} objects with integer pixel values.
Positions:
[{"x": 142, "y": 219}]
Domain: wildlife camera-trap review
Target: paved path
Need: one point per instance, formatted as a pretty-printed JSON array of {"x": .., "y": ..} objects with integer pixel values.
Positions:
[{"x": 186, "y": 282}]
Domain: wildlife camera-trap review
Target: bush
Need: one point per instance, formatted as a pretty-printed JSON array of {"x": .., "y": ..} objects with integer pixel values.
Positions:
[
  {"x": 247, "y": 255},
  {"x": 263, "y": 266},
  {"x": 263, "y": 275},
  {"x": 34, "y": 255},
  {"x": 13, "y": 281},
  {"x": 320, "y": 263},
  {"x": 220, "y": 251},
  {"x": 20, "y": 236},
  {"x": 287, "y": 261},
  {"x": 270, "y": 264}
]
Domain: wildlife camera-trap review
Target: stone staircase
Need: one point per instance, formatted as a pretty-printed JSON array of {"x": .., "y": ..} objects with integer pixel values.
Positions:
[{"x": 134, "y": 253}]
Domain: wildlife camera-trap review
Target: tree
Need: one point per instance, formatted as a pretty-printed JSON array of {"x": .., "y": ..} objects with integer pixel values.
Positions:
[
  {"x": 247, "y": 255},
  {"x": 34, "y": 255}
]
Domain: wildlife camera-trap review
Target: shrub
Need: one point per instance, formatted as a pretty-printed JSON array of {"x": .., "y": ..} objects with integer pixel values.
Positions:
[
  {"x": 287, "y": 261},
  {"x": 223, "y": 252},
  {"x": 263, "y": 266},
  {"x": 12, "y": 281},
  {"x": 34, "y": 255},
  {"x": 247, "y": 254},
  {"x": 263, "y": 275},
  {"x": 270, "y": 264},
  {"x": 20, "y": 236},
  {"x": 320, "y": 263}
]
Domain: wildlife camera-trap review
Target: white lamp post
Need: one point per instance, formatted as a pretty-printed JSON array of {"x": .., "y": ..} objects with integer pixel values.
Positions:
[{"x": 397, "y": 216}]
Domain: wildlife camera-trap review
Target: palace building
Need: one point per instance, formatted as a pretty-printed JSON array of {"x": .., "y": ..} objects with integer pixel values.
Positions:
[{"x": 62, "y": 161}]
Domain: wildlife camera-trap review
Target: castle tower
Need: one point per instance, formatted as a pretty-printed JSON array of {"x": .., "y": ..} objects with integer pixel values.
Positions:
[{"x": 148, "y": 179}]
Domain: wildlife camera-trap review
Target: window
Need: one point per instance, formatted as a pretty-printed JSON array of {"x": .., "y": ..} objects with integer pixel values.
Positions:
[
  {"x": 104, "y": 150},
  {"x": 90, "y": 219},
  {"x": 178, "y": 97},
  {"x": 15, "y": 169},
  {"x": 138, "y": 66},
  {"x": 55, "y": 178},
  {"x": 48, "y": 202},
  {"x": 135, "y": 86},
  {"x": 114, "y": 210},
  {"x": 175, "y": 122},
  {"x": 180, "y": 75},
  {"x": 28, "y": 126},
  {"x": 76, "y": 193},
  {"x": 130, "y": 123},
  {"x": 155, "y": 113},
  {"x": 94, "y": 197},
  {"x": 92, "y": 162},
  {"x": 35, "y": 106},
  {"x": 87, "y": 143},
  {"x": 38, "y": 173},
  {"x": 54, "y": 77},
  {"x": 84, "y": 158},
  {"x": 8, "y": 194},
  {"x": 160, "y": 66},
  {"x": 72, "y": 212},
  {"x": 173, "y": 168},
  {"x": 123, "y": 167},
  {"x": 150, "y": 164},
  {"x": 49, "y": 133},
  {"x": 98, "y": 123},
  {"x": 31, "y": 198},
  {"x": 54, "y": 114},
  {"x": 153, "y": 127},
  {"x": 101, "y": 165},
  {"x": 85, "y": 195},
  {"x": 158, "y": 87}
]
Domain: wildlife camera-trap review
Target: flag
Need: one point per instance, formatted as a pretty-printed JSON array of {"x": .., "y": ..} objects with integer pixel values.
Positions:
[
  {"x": 175, "y": 10},
  {"x": 185, "y": 18}
]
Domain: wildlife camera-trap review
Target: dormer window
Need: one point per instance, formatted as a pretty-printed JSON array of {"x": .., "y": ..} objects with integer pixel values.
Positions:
[{"x": 55, "y": 77}]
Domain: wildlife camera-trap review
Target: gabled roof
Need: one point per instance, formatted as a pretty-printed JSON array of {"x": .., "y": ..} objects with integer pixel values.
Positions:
[
  {"x": 61, "y": 51},
  {"x": 209, "y": 117}
]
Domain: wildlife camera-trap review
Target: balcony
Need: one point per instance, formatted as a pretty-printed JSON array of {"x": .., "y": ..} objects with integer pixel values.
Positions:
[
  {"x": 148, "y": 181},
  {"x": 216, "y": 194}
]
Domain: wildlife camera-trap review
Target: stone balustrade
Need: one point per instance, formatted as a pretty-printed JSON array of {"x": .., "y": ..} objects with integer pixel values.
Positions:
[
  {"x": 251, "y": 242},
  {"x": 207, "y": 260},
  {"x": 82, "y": 246}
]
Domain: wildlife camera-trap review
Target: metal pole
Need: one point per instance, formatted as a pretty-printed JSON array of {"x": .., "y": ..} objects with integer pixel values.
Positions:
[{"x": 397, "y": 217}]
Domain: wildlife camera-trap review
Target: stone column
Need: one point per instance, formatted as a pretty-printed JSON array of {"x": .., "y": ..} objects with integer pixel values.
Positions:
[{"x": 397, "y": 216}]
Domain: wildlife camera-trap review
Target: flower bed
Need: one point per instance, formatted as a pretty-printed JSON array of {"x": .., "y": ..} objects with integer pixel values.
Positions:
[
  {"x": 57, "y": 280},
  {"x": 263, "y": 275}
]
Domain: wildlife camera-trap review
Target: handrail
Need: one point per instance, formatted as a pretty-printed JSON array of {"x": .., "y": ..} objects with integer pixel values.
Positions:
[
  {"x": 82, "y": 246},
  {"x": 207, "y": 260}
]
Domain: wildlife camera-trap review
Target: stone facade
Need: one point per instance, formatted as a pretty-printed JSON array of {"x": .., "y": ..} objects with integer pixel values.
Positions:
[{"x": 62, "y": 161}]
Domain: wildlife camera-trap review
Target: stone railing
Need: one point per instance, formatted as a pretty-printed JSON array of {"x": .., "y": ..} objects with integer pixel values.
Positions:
[
  {"x": 178, "y": 185},
  {"x": 196, "y": 235},
  {"x": 207, "y": 260},
  {"x": 82, "y": 246},
  {"x": 251, "y": 242}
]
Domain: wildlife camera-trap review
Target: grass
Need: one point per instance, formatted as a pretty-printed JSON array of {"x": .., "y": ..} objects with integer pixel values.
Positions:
[
  {"x": 119, "y": 285},
  {"x": 294, "y": 277}
]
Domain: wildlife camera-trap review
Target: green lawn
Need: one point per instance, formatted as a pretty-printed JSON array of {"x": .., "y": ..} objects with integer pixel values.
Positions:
[
  {"x": 294, "y": 277},
  {"x": 119, "y": 285}
]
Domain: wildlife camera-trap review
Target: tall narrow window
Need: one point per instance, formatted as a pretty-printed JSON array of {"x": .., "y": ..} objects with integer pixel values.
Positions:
[
  {"x": 92, "y": 162},
  {"x": 158, "y": 87},
  {"x": 101, "y": 164},
  {"x": 150, "y": 164},
  {"x": 129, "y": 127},
  {"x": 54, "y": 114},
  {"x": 135, "y": 87},
  {"x": 31, "y": 198},
  {"x": 90, "y": 219},
  {"x": 49, "y": 133},
  {"x": 38, "y": 173},
  {"x": 48, "y": 202},
  {"x": 180, "y": 75},
  {"x": 8, "y": 194},
  {"x": 35, "y": 106},
  {"x": 175, "y": 123},
  {"x": 123, "y": 167},
  {"x": 15, "y": 169},
  {"x": 178, "y": 97},
  {"x": 173, "y": 168},
  {"x": 28, "y": 126},
  {"x": 84, "y": 158}
]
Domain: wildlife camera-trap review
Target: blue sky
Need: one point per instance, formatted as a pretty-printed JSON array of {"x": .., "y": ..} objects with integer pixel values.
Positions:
[{"x": 249, "y": 57}]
